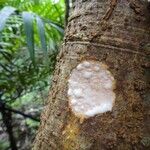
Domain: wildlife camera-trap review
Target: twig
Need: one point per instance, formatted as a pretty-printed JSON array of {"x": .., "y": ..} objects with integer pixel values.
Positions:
[{"x": 3, "y": 106}]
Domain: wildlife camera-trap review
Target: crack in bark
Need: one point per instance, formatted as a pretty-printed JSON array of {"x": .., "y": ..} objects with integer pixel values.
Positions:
[
  {"x": 108, "y": 46},
  {"x": 136, "y": 6},
  {"x": 104, "y": 22},
  {"x": 110, "y": 10}
]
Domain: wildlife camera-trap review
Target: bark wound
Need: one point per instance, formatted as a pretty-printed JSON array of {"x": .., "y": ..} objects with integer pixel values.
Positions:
[{"x": 90, "y": 89}]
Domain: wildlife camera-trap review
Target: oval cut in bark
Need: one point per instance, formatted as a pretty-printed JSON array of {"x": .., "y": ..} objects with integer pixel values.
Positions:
[{"x": 90, "y": 89}]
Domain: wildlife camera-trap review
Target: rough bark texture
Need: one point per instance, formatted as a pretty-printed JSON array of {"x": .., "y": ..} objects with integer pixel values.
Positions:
[{"x": 116, "y": 33}]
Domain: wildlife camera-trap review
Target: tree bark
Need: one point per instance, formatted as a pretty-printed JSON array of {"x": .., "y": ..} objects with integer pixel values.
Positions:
[{"x": 116, "y": 33}]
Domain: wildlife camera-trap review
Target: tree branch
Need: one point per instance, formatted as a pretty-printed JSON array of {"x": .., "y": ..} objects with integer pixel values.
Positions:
[
  {"x": 3, "y": 106},
  {"x": 67, "y": 11}
]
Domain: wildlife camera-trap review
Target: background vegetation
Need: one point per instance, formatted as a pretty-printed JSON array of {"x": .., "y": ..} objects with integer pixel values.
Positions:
[{"x": 30, "y": 34}]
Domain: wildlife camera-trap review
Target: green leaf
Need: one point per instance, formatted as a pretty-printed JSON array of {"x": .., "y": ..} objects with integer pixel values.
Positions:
[
  {"x": 36, "y": 2},
  {"x": 55, "y": 25},
  {"x": 28, "y": 19},
  {"x": 41, "y": 31},
  {"x": 4, "y": 15}
]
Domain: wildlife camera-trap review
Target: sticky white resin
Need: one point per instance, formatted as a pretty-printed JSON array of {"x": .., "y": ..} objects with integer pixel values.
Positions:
[{"x": 90, "y": 89}]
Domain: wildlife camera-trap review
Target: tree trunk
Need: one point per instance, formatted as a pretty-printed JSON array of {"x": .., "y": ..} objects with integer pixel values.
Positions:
[
  {"x": 116, "y": 33},
  {"x": 7, "y": 120}
]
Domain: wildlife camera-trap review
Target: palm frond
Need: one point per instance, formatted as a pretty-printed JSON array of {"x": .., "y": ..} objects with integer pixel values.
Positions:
[
  {"x": 55, "y": 25},
  {"x": 28, "y": 20},
  {"x": 41, "y": 31},
  {"x": 4, "y": 15},
  {"x": 29, "y": 32}
]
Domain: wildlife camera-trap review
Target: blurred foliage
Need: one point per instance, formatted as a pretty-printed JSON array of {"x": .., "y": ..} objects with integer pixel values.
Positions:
[
  {"x": 33, "y": 23},
  {"x": 24, "y": 85}
]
